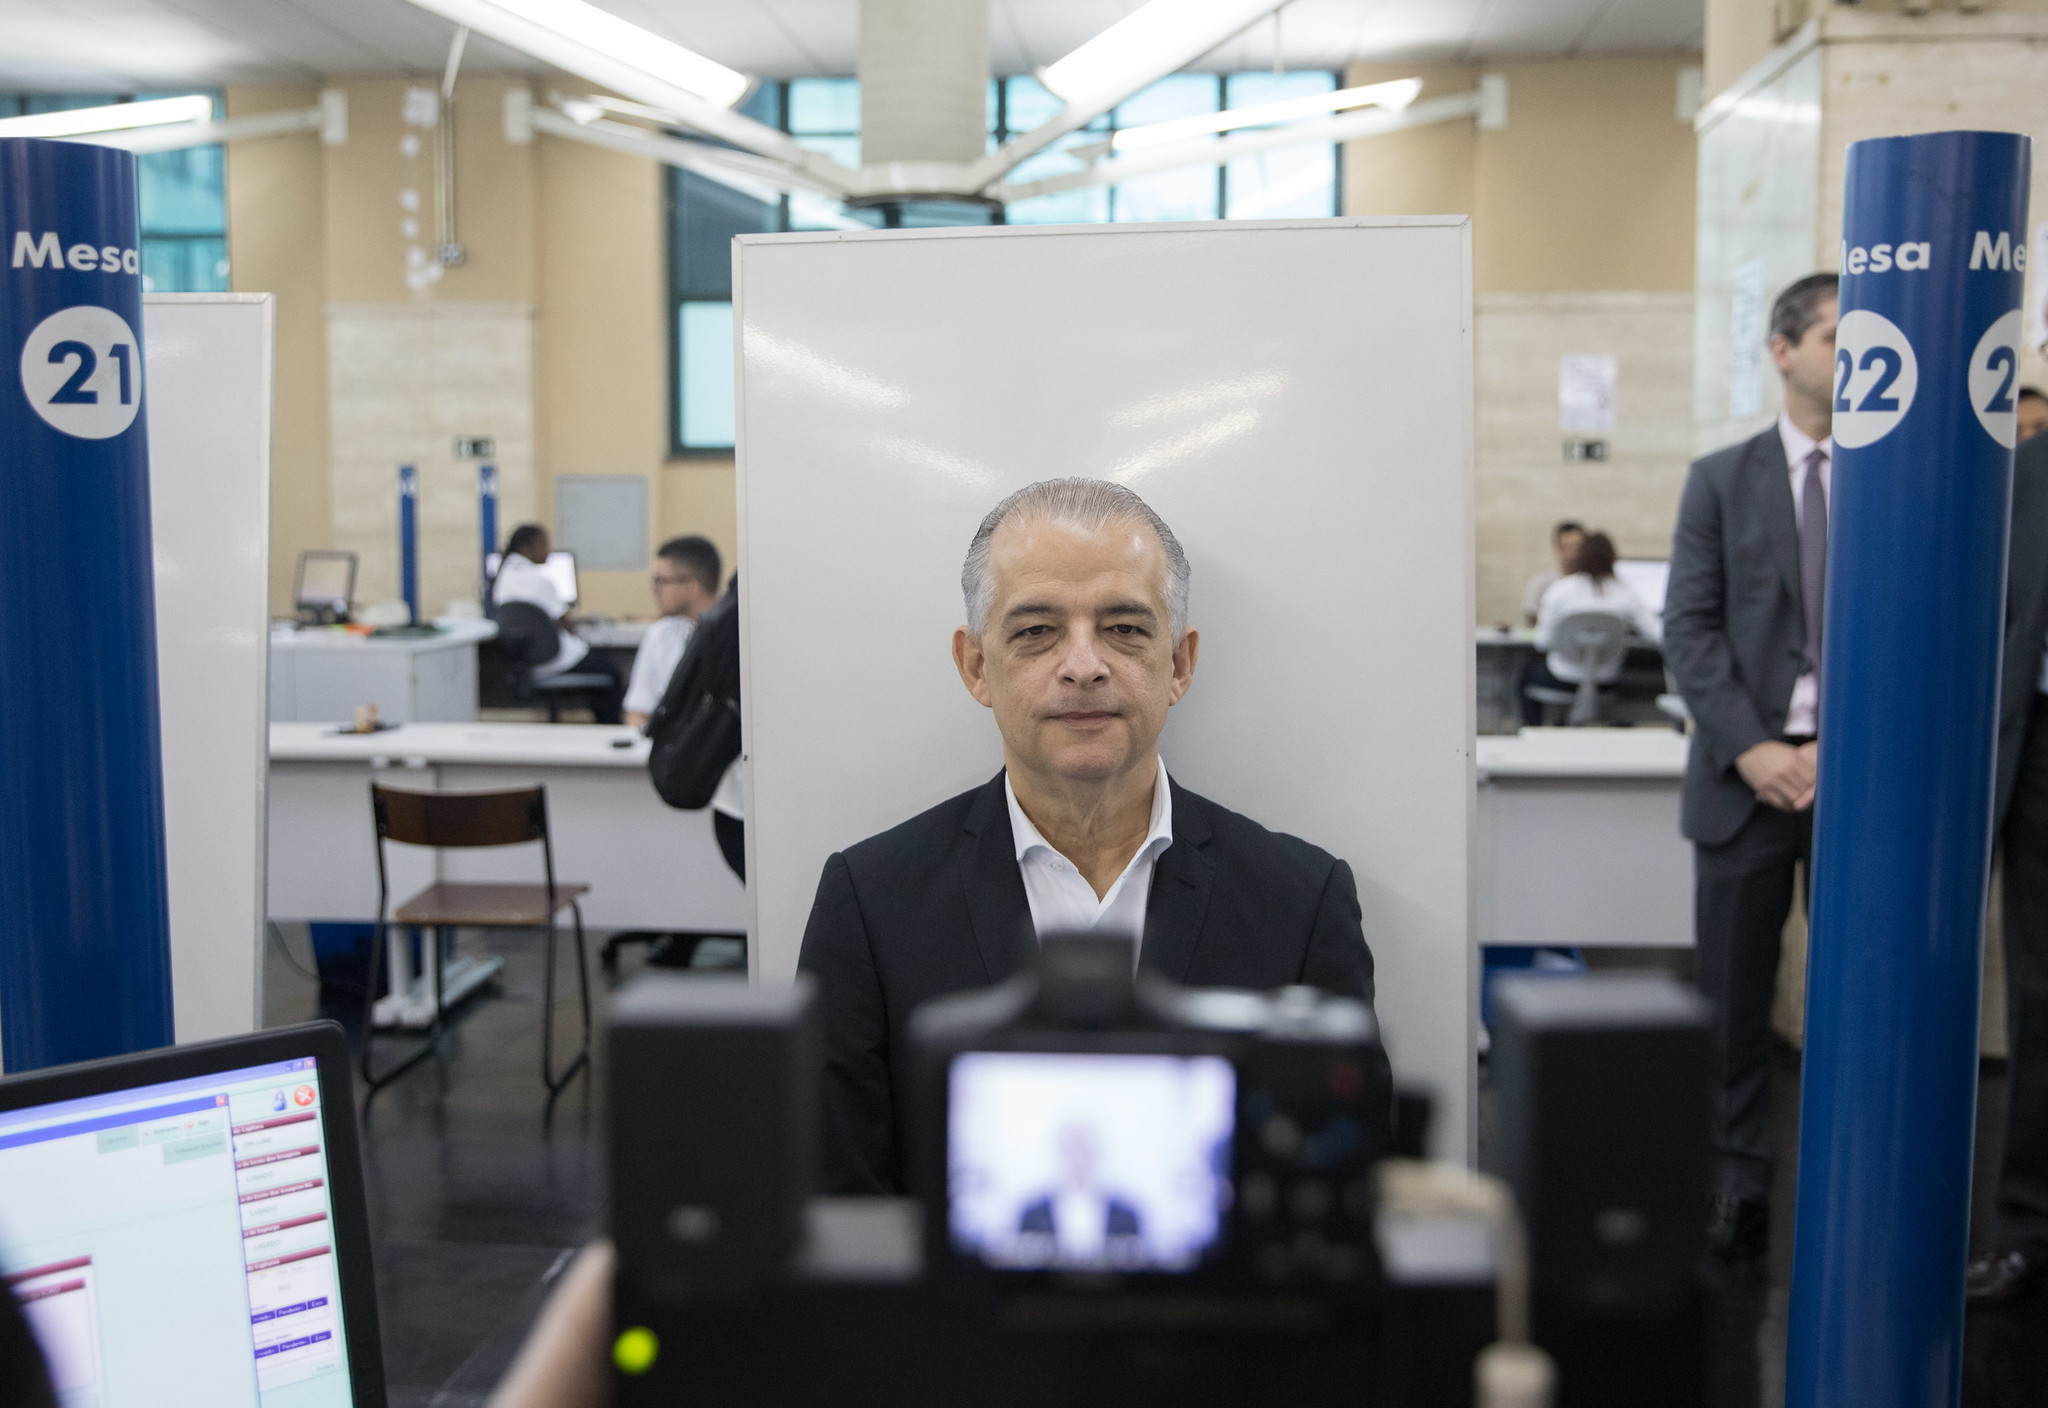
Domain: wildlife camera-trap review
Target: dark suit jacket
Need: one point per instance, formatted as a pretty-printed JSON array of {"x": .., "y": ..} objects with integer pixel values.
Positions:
[
  {"x": 2026, "y": 610},
  {"x": 937, "y": 906},
  {"x": 1734, "y": 623},
  {"x": 1122, "y": 1220}
]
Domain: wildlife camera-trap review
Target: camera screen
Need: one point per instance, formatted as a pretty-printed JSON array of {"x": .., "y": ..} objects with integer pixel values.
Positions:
[{"x": 1088, "y": 1162}]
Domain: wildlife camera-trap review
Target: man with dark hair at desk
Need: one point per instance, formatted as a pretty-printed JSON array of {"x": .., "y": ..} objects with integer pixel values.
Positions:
[
  {"x": 2033, "y": 412},
  {"x": 1077, "y": 640},
  {"x": 2018, "y": 1256},
  {"x": 1564, "y": 548},
  {"x": 1742, "y": 627},
  {"x": 687, "y": 572},
  {"x": 520, "y": 578}
]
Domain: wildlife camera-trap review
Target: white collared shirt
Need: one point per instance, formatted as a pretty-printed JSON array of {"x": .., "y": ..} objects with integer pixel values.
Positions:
[
  {"x": 1569, "y": 596},
  {"x": 1803, "y": 717},
  {"x": 1062, "y": 900},
  {"x": 520, "y": 578},
  {"x": 661, "y": 650}
]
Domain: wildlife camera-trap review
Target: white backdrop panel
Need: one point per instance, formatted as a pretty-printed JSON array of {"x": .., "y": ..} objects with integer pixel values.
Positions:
[
  {"x": 209, "y": 366},
  {"x": 1294, "y": 398}
]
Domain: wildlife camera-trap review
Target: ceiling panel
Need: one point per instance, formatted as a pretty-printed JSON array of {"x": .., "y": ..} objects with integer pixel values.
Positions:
[{"x": 129, "y": 45}]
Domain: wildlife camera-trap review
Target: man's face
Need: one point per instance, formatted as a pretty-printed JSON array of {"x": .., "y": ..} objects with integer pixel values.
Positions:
[
  {"x": 677, "y": 592},
  {"x": 1808, "y": 365},
  {"x": 1567, "y": 545},
  {"x": 2033, "y": 416},
  {"x": 1077, "y": 660}
]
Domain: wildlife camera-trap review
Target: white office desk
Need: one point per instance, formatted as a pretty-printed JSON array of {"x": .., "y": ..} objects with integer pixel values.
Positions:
[
  {"x": 613, "y": 635},
  {"x": 648, "y": 866},
  {"x": 322, "y": 674},
  {"x": 1578, "y": 839}
]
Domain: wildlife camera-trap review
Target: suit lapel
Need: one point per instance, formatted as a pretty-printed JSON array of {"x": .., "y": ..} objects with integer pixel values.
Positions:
[
  {"x": 1781, "y": 515},
  {"x": 996, "y": 904},
  {"x": 1181, "y": 880}
]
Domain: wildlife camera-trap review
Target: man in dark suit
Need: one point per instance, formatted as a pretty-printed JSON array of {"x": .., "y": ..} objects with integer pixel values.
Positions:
[
  {"x": 1077, "y": 641},
  {"x": 2019, "y": 1254},
  {"x": 1742, "y": 618}
]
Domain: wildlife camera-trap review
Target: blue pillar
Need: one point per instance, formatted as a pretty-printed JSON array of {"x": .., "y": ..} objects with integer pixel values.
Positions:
[
  {"x": 409, "y": 539},
  {"x": 1926, "y": 364},
  {"x": 85, "y": 955},
  {"x": 487, "y": 522}
]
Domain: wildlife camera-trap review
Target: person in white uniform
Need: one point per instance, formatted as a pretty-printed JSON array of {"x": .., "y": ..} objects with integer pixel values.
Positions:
[
  {"x": 521, "y": 578},
  {"x": 687, "y": 572},
  {"x": 1591, "y": 586}
]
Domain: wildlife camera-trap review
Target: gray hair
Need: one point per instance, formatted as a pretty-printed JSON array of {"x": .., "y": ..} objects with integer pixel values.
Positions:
[{"x": 1086, "y": 504}]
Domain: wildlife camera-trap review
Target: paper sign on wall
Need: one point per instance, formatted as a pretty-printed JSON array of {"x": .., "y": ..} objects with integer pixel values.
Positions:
[{"x": 1586, "y": 384}]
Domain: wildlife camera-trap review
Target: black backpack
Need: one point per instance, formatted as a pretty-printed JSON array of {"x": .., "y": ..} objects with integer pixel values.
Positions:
[{"x": 696, "y": 728}]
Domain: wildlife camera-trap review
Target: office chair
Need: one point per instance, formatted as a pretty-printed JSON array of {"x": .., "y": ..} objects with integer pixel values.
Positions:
[
  {"x": 1594, "y": 642},
  {"x": 512, "y": 816},
  {"x": 528, "y": 639}
]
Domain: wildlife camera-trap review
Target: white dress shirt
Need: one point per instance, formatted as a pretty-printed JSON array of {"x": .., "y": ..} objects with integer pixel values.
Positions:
[
  {"x": 520, "y": 578},
  {"x": 1062, "y": 900},
  {"x": 1568, "y": 596},
  {"x": 661, "y": 650},
  {"x": 1803, "y": 717}
]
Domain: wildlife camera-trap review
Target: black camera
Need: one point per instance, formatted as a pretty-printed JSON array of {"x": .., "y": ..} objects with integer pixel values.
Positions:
[{"x": 1095, "y": 1133}]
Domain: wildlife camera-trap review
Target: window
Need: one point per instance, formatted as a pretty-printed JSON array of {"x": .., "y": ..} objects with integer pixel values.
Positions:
[
  {"x": 823, "y": 114},
  {"x": 182, "y": 197}
]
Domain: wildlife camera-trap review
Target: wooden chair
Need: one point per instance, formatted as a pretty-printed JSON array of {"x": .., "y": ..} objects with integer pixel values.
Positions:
[{"x": 447, "y": 820}]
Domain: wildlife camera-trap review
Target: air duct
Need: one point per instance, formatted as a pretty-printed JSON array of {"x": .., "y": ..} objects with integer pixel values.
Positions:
[{"x": 923, "y": 89}]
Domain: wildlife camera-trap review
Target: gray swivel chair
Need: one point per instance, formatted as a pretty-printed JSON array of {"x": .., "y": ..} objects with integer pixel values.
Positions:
[{"x": 1594, "y": 642}]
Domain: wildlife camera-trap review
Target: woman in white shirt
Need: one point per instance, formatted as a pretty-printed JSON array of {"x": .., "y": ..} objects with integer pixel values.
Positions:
[{"x": 1592, "y": 586}]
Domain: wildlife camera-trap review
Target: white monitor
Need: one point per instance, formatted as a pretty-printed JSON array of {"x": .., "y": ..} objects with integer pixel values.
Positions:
[
  {"x": 560, "y": 569},
  {"x": 1646, "y": 579},
  {"x": 326, "y": 579}
]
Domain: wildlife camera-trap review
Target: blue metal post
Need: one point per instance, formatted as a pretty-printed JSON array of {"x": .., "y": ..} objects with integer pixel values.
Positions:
[
  {"x": 409, "y": 540},
  {"x": 1926, "y": 367},
  {"x": 85, "y": 957},
  {"x": 487, "y": 521}
]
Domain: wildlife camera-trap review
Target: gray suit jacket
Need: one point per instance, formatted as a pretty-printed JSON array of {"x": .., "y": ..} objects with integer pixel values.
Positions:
[
  {"x": 2026, "y": 610},
  {"x": 1734, "y": 625}
]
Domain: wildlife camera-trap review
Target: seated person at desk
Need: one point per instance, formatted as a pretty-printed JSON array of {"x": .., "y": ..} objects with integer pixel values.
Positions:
[
  {"x": 1077, "y": 640},
  {"x": 1592, "y": 586},
  {"x": 686, "y": 576},
  {"x": 520, "y": 579},
  {"x": 1564, "y": 545}
]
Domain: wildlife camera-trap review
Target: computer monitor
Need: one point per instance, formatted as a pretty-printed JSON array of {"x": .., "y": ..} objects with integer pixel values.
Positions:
[
  {"x": 186, "y": 1226},
  {"x": 1646, "y": 579},
  {"x": 560, "y": 569},
  {"x": 327, "y": 583}
]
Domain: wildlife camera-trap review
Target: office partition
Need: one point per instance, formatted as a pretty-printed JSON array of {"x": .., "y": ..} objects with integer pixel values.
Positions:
[{"x": 1294, "y": 399}]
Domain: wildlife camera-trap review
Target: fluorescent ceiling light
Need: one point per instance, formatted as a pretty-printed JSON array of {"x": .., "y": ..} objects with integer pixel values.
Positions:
[
  {"x": 1393, "y": 96},
  {"x": 115, "y": 117},
  {"x": 553, "y": 29},
  {"x": 1150, "y": 42}
]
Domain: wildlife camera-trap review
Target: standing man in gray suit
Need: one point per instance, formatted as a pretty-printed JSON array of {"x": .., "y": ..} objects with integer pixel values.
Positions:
[
  {"x": 2019, "y": 1254},
  {"x": 1742, "y": 627}
]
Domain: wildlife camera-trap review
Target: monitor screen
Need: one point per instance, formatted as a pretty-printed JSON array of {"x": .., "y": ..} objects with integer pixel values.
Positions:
[
  {"x": 326, "y": 578},
  {"x": 1646, "y": 579},
  {"x": 560, "y": 569},
  {"x": 1061, "y": 1161},
  {"x": 172, "y": 1243}
]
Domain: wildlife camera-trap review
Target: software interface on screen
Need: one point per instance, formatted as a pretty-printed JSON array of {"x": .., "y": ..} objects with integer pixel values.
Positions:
[
  {"x": 1646, "y": 579},
  {"x": 324, "y": 581},
  {"x": 1067, "y": 1161},
  {"x": 560, "y": 569},
  {"x": 171, "y": 1244}
]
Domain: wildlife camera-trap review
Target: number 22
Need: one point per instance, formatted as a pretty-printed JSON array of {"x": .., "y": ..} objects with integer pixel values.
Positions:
[{"x": 1874, "y": 399}]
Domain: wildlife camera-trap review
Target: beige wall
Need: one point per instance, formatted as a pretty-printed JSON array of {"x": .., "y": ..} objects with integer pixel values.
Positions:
[
  {"x": 1582, "y": 228},
  {"x": 550, "y": 337},
  {"x": 276, "y": 244}
]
